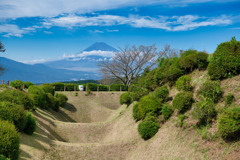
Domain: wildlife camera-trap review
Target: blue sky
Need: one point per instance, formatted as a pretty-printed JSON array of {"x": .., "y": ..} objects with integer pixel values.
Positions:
[{"x": 43, "y": 30}]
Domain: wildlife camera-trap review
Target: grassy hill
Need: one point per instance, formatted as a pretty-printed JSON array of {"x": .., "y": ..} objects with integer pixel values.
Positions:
[{"x": 98, "y": 127}]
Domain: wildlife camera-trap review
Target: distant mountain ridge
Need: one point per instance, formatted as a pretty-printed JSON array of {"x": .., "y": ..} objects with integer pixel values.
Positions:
[
  {"x": 81, "y": 66},
  {"x": 39, "y": 73},
  {"x": 87, "y": 60},
  {"x": 100, "y": 46}
]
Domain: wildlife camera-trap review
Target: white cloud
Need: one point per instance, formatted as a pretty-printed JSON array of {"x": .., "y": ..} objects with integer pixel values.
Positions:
[
  {"x": 52, "y": 8},
  {"x": 47, "y": 32},
  {"x": 113, "y": 30},
  {"x": 89, "y": 53},
  {"x": 175, "y": 23},
  {"x": 9, "y": 30},
  {"x": 35, "y": 61}
]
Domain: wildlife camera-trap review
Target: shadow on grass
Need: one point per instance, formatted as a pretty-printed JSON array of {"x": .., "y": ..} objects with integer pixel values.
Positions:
[
  {"x": 52, "y": 134},
  {"x": 24, "y": 155},
  {"x": 60, "y": 116},
  {"x": 70, "y": 107}
]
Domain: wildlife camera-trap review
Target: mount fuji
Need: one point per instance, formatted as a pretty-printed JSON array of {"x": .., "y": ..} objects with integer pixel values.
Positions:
[{"x": 86, "y": 60}]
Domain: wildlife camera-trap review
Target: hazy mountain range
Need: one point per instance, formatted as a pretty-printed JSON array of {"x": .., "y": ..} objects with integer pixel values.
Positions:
[{"x": 80, "y": 66}]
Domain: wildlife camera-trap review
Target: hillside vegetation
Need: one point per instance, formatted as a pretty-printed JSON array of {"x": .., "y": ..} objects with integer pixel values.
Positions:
[{"x": 179, "y": 110}]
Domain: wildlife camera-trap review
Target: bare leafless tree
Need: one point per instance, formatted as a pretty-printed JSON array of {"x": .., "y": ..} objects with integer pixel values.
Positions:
[
  {"x": 2, "y": 47},
  {"x": 1, "y": 50},
  {"x": 129, "y": 63},
  {"x": 168, "y": 52}
]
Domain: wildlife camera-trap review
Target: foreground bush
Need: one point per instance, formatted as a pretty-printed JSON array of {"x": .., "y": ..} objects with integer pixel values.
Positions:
[
  {"x": 9, "y": 140},
  {"x": 204, "y": 111},
  {"x": 211, "y": 90},
  {"x": 13, "y": 113},
  {"x": 148, "y": 127},
  {"x": 62, "y": 99},
  {"x": 225, "y": 61},
  {"x": 48, "y": 89},
  {"x": 50, "y": 100},
  {"x": 139, "y": 93},
  {"x": 229, "y": 99},
  {"x": 126, "y": 98},
  {"x": 136, "y": 113},
  {"x": 56, "y": 104},
  {"x": 17, "y": 97},
  {"x": 39, "y": 96},
  {"x": 166, "y": 112},
  {"x": 28, "y": 84},
  {"x": 162, "y": 93},
  {"x": 17, "y": 84},
  {"x": 229, "y": 123},
  {"x": 183, "y": 101},
  {"x": 192, "y": 59},
  {"x": 2, "y": 157},
  {"x": 149, "y": 104},
  {"x": 184, "y": 83},
  {"x": 30, "y": 125}
]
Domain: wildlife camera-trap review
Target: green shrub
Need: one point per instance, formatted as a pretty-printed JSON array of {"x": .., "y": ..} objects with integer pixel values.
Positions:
[
  {"x": 192, "y": 59},
  {"x": 2, "y": 157},
  {"x": 188, "y": 60},
  {"x": 17, "y": 84},
  {"x": 184, "y": 83},
  {"x": 149, "y": 104},
  {"x": 56, "y": 104},
  {"x": 202, "y": 60},
  {"x": 62, "y": 99},
  {"x": 166, "y": 112},
  {"x": 48, "y": 89},
  {"x": 138, "y": 93},
  {"x": 181, "y": 118},
  {"x": 136, "y": 115},
  {"x": 133, "y": 87},
  {"x": 173, "y": 74},
  {"x": 204, "y": 111},
  {"x": 148, "y": 127},
  {"x": 50, "y": 101},
  {"x": 39, "y": 96},
  {"x": 183, "y": 101},
  {"x": 229, "y": 99},
  {"x": 28, "y": 84},
  {"x": 211, "y": 90},
  {"x": 13, "y": 113},
  {"x": 116, "y": 87},
  {"x": 9, "y": 140},
  {"x": 225, "y": 61},
  {"x": 126, "y": 98},
  {"x": 17, "y": 97},
  {"x": 229, "y": 123},
  {"x": 31, "y": 124},
  {"x": 162, "y": 93},
  {"x": 76, "y": 94}
]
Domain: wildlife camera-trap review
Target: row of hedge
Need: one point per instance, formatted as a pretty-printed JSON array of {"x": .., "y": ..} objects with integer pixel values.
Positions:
[{"x": 101, "y": 87}]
